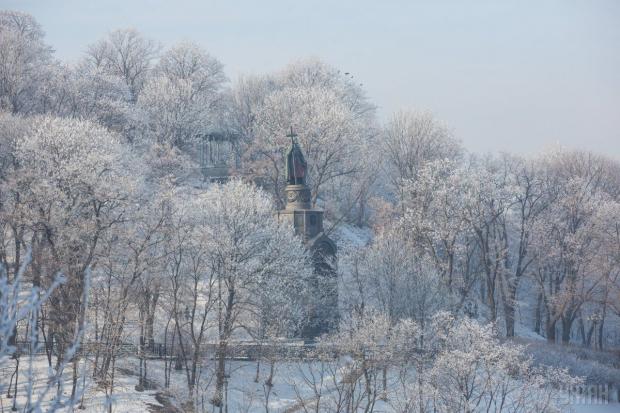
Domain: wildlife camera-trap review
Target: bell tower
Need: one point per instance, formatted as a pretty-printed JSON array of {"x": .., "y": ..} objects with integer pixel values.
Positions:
[{"x": 307, "y": 222}]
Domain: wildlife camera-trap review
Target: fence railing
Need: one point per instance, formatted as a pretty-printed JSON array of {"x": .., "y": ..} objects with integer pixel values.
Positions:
[{"x": 234, "y": 350}]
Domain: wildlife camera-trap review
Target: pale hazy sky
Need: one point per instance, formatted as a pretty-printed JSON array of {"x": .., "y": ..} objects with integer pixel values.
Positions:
[{"x": 503, "y": 75}]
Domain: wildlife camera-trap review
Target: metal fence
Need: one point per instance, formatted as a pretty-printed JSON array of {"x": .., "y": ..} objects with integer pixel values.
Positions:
[{"x": 234, "y": 350}]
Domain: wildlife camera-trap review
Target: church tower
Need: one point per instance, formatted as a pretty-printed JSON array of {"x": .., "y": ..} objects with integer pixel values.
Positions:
[{"x": 307, "y": 222}]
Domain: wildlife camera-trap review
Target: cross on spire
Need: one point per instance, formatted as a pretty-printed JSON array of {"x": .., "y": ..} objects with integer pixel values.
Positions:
[{"x": 291, "y": 134}]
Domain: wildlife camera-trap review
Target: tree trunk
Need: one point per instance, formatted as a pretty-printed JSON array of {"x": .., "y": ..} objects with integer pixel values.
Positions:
[
  {"x": 150, "y": 319},
  {"x": 76, "y": 361},
  {"x": 600, "y": 329},
  {"x": 257, "y": 376},
  {"x": 220, "y": 373},
  {"x": 567, "y": 324},
  {"x": 550, "y": 329},
  {"x": 140, "y": 386},
  {"x": 509, "y": 309},
  {"x": 538, "y": 314},
  {"x": 225, "y": 331},
  {"x": 491, "y": 298},
  {"x": 589, "y": 336}
]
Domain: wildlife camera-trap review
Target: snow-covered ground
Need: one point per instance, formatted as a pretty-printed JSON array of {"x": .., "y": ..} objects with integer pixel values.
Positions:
[
  {"x": 125, "y": 399},
  {"x": 595, "y": 408},
  {"x": 244, "y": 394}
]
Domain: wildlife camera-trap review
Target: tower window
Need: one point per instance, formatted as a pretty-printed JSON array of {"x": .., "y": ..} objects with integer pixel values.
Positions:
[{"x": 313, "y": 220}]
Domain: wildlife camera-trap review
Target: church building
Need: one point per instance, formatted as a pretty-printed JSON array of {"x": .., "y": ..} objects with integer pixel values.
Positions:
[{"x": 307, "y": 222}]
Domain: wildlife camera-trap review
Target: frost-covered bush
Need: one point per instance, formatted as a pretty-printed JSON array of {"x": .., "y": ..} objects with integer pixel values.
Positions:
[
  {"x": 450, "y": 365},
  {"x": 596, "y": 367},
  {"x": 474, "y": 371}
]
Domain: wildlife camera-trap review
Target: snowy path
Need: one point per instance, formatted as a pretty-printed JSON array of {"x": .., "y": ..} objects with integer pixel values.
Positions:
[{"x": 125, "y": 398}]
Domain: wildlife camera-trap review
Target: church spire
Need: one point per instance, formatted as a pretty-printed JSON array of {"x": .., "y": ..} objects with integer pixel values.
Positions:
[
  {"x": 296, "y": 166},
  {"x": 307, "y": 222},
  {"x": 297, "y": 192}
]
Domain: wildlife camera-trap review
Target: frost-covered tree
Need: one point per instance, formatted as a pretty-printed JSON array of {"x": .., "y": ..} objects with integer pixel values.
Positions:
[
  {"x": 394, "y": 277},
  {"x": 594, "y": 316},
  {"x": 127, "y": 54},
  {"x": 188, "y": 61},
  {"x": 103, "y": 97},
  {"x": 472, "y": 370},
  {"x": 527, "y": 202},
  {"x": 246, "y": 246},
  {"x": 433, "y": 203},
  {"x": 246, "y": 100},
  {"x": 24, "y": 62},
  {"x": 413, "y": 138},
  {"x": 191, "y": 297},
  {"x": 580, "y": 184},
  {"x": 13, "y": 212},
  {"x": 183, "y": 100},
  {"x": 74, "y": 179},
  {"x": 130, "y": 257},
  {"x": 486, "y": 200},
  {"x": 343, "y": 372}
]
